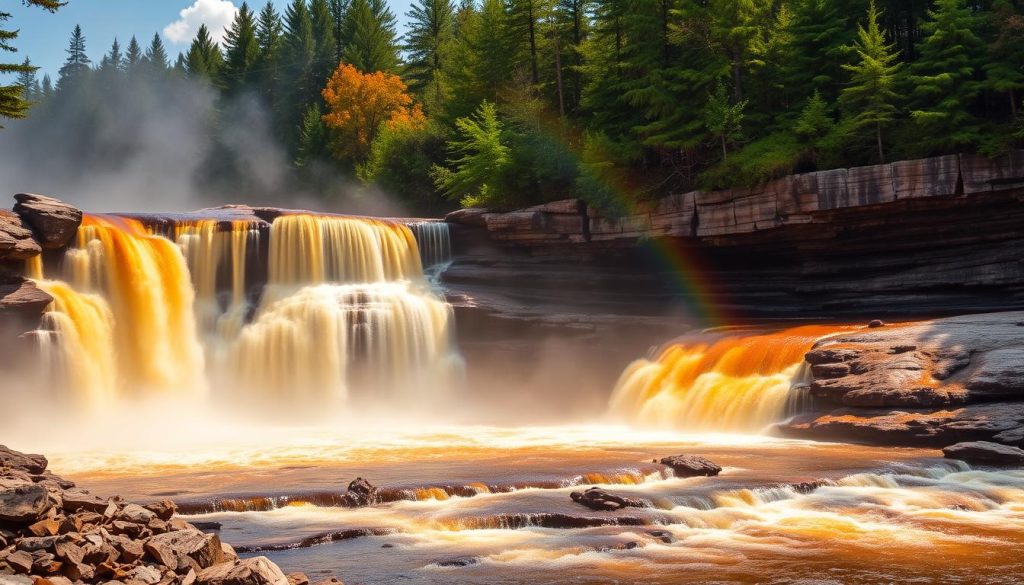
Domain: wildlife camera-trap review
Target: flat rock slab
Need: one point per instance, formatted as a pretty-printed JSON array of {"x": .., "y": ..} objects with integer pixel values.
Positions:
[
  {"x": 254, "y": 571},
  {"x": 691, "y": 466},
  {"x": 985, "y": 453},
  {"x": 22, "y": 461},
  {"x": 53, "y": 221},
  {"x": 23, "y": 504}
]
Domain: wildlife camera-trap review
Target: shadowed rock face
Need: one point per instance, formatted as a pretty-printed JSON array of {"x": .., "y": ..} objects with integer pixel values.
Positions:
[
  {"x": 930, "y": 383},
  {"x": 16, "y": 241},
  {"x": 985, "y": 453},
  {"x": 53, "y": 221}
]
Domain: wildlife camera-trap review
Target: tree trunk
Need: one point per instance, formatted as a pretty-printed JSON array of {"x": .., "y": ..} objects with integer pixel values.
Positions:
[
  {"x": 558, "y": 76},
  {"x": 878, "y": 134},
  {"x": 1013, "y": 105},
  {"x": 725, "y": 151}
]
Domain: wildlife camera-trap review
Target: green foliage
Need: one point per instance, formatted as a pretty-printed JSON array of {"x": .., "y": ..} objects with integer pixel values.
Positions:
[
  {"x": 313, "y": 138},
  {"x": 762, "y": 160},
  {"x": 77, "y": 62},
  {"x": 371, "y": 43},
  {"x": 604, "y": 173},
  {"x": 428, "y": 46},
  {"x": 133, "y": 57},
  {"x": 870, "y": 100},
  {"x": 724, "y": 119},
  {"x": 401, "y": 163},
  {"x": 204, "y": 59},
  {"x": 814, "y": 124},
  {"x": 945, "y": 80},
  {"x": 480, "y": 160},
  {"x": 155, "y": 58},
  {"x": 241, "y": 52}
]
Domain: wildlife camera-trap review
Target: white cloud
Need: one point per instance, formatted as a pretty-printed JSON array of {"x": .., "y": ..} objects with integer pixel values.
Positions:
[{"x": 215, "y": 14}]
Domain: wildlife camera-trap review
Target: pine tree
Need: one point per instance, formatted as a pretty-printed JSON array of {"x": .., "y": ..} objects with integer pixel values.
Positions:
[
  {"x": 114, "y": 60},
  {"x": 481, "y": 160},
  {"x": 268, "y": 38},
  {"x": 524, "y": 22},
  {"x": 47, "y": 89},
  {"x": 482, "y": 60},
  {"x": 814, "y": 123},
  {"x": 241, "y": 52},
  {"x": 869, "y": 101},
  {"x": 12, "y": 97},
  {"x": 133, "y": 56},
  {"x": 297, "y": 88},
  {"x": 156, "y": 56},
  {"x": 428, "y": 45},
  {"x": 338, "y": 10},
  {"x": 204, "y": 59},
  {"x": 325, "y": 55},
  {"x": 371, "y": 38},
  {"x": 312, "y": 145},
  {"x": 736, "y": 28},
  {"x": 571, "y": 28},
  {"x": 946, "y": 78},
  {"x": 1005, "y": 67},
  {"x": 724, "y": 119},
  {"x": 77, "y": 62},
  {"x": 181, "y": 65},
  {"x": 27, "y": 81}
]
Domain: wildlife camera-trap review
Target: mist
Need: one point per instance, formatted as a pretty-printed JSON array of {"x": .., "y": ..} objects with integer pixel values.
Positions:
[{"x": 164, "y": 143}]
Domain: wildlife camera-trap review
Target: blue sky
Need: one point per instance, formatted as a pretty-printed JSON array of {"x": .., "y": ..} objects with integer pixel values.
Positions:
[{"x": 44, "y": 36}]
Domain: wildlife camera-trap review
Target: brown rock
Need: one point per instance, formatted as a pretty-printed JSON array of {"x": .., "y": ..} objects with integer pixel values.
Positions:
[
  {"x": 46, "y": 527},
  {"x": 67, "y": 551},
  {"x": 144, "y": 574},
  {"x": 22, "y": 461},
  {"x": 53, "y": 221},
  {"x": 75, "y": 500},
  {"x": 131, "y": 550},
  {"x": 136, "y": 514},
  {"x": 16, "y": 241},
  {"x": 601, "y": 500},
  {"x": 691, "y": 466},
  {"x": 298, "y": 579},
  {"x": 163, "y": 509},
  {"x": 20, "y": 561},
  {"x": 77, "y": 571},
  {"x": 985, "y": 453},
  {"x": 172, "y": 549},
  {"x": 129, "y": 529},
  {"x": 254, "y": 571},
  {"x": 23, "y": 504}
]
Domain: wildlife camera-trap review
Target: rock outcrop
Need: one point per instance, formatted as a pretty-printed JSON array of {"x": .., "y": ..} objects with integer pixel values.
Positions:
[
  {"x": 53, "y": 221},
  {"x": 52, "y": 533},
  {"x": 691, "y": 466},
  {"x": 985, "y": 453},
  {"x": 16, "y": 241},
  {"x": 933, "y": 383},
  {"x": 601, "y": 500}
]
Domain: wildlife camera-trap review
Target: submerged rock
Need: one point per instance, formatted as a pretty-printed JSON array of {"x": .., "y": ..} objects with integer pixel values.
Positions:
[
  {"x": 691, "y": 466},
  {"x": 361, "y": 492},
  {"x": 598, "y": 499},
  {"x": 985, "y": 453},
  {"x": 53, "y": 221}
]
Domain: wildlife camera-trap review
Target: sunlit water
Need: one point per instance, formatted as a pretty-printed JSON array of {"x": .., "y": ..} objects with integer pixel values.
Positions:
[{"x": 878, "y": 515}]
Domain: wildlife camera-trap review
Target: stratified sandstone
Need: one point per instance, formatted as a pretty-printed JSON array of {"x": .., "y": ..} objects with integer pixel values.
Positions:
[
  {"x": 53, "y": 221},
  {"x": 985, "y": 453},
  {"x": 16, "y": 241}
]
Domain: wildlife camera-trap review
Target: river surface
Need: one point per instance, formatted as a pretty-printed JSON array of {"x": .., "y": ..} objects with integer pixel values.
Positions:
[{"x": 877, "y": 515}]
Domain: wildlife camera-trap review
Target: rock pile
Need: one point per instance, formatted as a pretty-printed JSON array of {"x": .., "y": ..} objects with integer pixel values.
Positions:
[{"x": 52, "y": 533}]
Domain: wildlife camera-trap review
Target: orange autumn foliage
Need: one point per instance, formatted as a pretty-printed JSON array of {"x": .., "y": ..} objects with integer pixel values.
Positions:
[{"x": 360, "y": 104}]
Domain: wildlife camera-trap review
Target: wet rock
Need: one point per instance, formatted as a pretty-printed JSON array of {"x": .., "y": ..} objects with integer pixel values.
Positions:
[
  {"x": 985, "y": 453},
  {"x": 663, "y": 535},
  {"x": 207, "y": 525},
  {"x": 23, "y": 504},
  {"x": 297, "y": 579},
  {"x": 598, "y": 499},
  {"x": 876, "y": 323},
  {"x": 175, "y": 549},
  {"x": 361, "y": 492},
  {"x": 691, "y": 466},
  {"x": 16, "y": 241},
  {"x": 254, "y": 571},
  {"x": 999, "y": 374},
  {"x": 458, "y": 562},
  {"x": 837, "y": 370},
  {"x": 53, "y": 221},
  {"x": 21, "y": 461}
]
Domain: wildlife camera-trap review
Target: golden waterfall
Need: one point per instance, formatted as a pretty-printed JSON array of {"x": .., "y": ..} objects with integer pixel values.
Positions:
[
  {"x": 734, "y": 383},
  {"x": 136, "y": 313},
  {"x": 123, "y": 296}
]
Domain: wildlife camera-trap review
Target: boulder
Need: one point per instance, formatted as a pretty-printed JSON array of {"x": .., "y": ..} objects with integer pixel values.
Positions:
[
  {"x": 16, "y": 241},
  {"x": 53, "y": 221},
  {"x": 598, "y": 499},
  {"x": 23, "y": 504},
  {"x": 175, "y": 549},
  {"x": 75, "y": 500},
  {"x": 21, "y": 297},
  {"x": 691, "y": 466},
  {"x": 25, "y": 462},
  {"x": 163, "y": 509},
  {"x": 360, "y": 492},
  {"x": 254, "y": 571},
  {"x": 20, "y": 561},
  {"x": 985, "y": 453}
]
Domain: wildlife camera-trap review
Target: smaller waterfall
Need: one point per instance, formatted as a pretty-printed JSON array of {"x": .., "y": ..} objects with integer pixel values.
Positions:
[
  {"x": 434, "y": 241},
  {"x": 734, "y": 383}
]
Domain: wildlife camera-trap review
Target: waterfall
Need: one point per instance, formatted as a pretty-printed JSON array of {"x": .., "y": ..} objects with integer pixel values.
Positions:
[
  {"x": 733, "y": 383},
  {"x": 434, "y": 241},
  {"x": 345, "y": 303}
]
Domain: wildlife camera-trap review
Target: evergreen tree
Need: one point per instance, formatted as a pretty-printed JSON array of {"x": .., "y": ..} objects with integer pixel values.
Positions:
[
  {"x": 241, "y": 52},
  {"x": 524, "y": 20},
  {"x": 297, "y": 88},
  {"x": 1005, "y": 67},
  {"x": 180, "y": 65},
  {"x": 724, "y": 119},
  {"x": 12, "y": 97},
  {"x": 133, "y": 56},
  {"x": 268, "y": 38},
  {"x": 480, "y": 163},
  {"x": 77, "y": 62},
  {"x": 204, "y": 59},
  {"x": 313, "y": 139},
  {"x": 482, "y": 60},
  {"x": 570, "y": 30},
  {"x": 47, "y": 89},
  {"x": 27, "y": 81},
  {"x": 325, "y": 58},
  {"x": 156, "y": 56},
  {"x": 428, "y": 45},
  {"x": 736, "y": 27},
  {"x": 338, "y": 10},
  {"x": 369, "y": 29},
  {"x": 869, "y": 101},
  {"x": 946, "y": 78},
  {"x": 113, "y": 61},
  {"x": 822, "y": 32},
  {"x": 814, "y": 123}
]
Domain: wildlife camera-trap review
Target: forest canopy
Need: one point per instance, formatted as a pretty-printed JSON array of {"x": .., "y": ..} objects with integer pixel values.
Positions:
[{"x": 508, "y": 102}]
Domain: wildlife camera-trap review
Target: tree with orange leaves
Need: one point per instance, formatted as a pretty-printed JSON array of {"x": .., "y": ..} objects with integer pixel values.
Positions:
[{"x": 360, "y": 104}]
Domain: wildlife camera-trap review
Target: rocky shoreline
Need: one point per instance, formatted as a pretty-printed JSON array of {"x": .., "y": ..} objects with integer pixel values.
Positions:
[{"x": 53, "y": 533}]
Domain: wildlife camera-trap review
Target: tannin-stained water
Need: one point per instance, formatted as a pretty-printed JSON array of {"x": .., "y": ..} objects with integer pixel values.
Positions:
[
  {"x": 491, "y": 505},
  {"x": 735, "y": 382}
]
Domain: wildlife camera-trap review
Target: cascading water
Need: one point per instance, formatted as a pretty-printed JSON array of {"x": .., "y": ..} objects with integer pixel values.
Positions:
[
  {"x": 734, "y": 383},
  {"x": 345, "y": 299}
]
